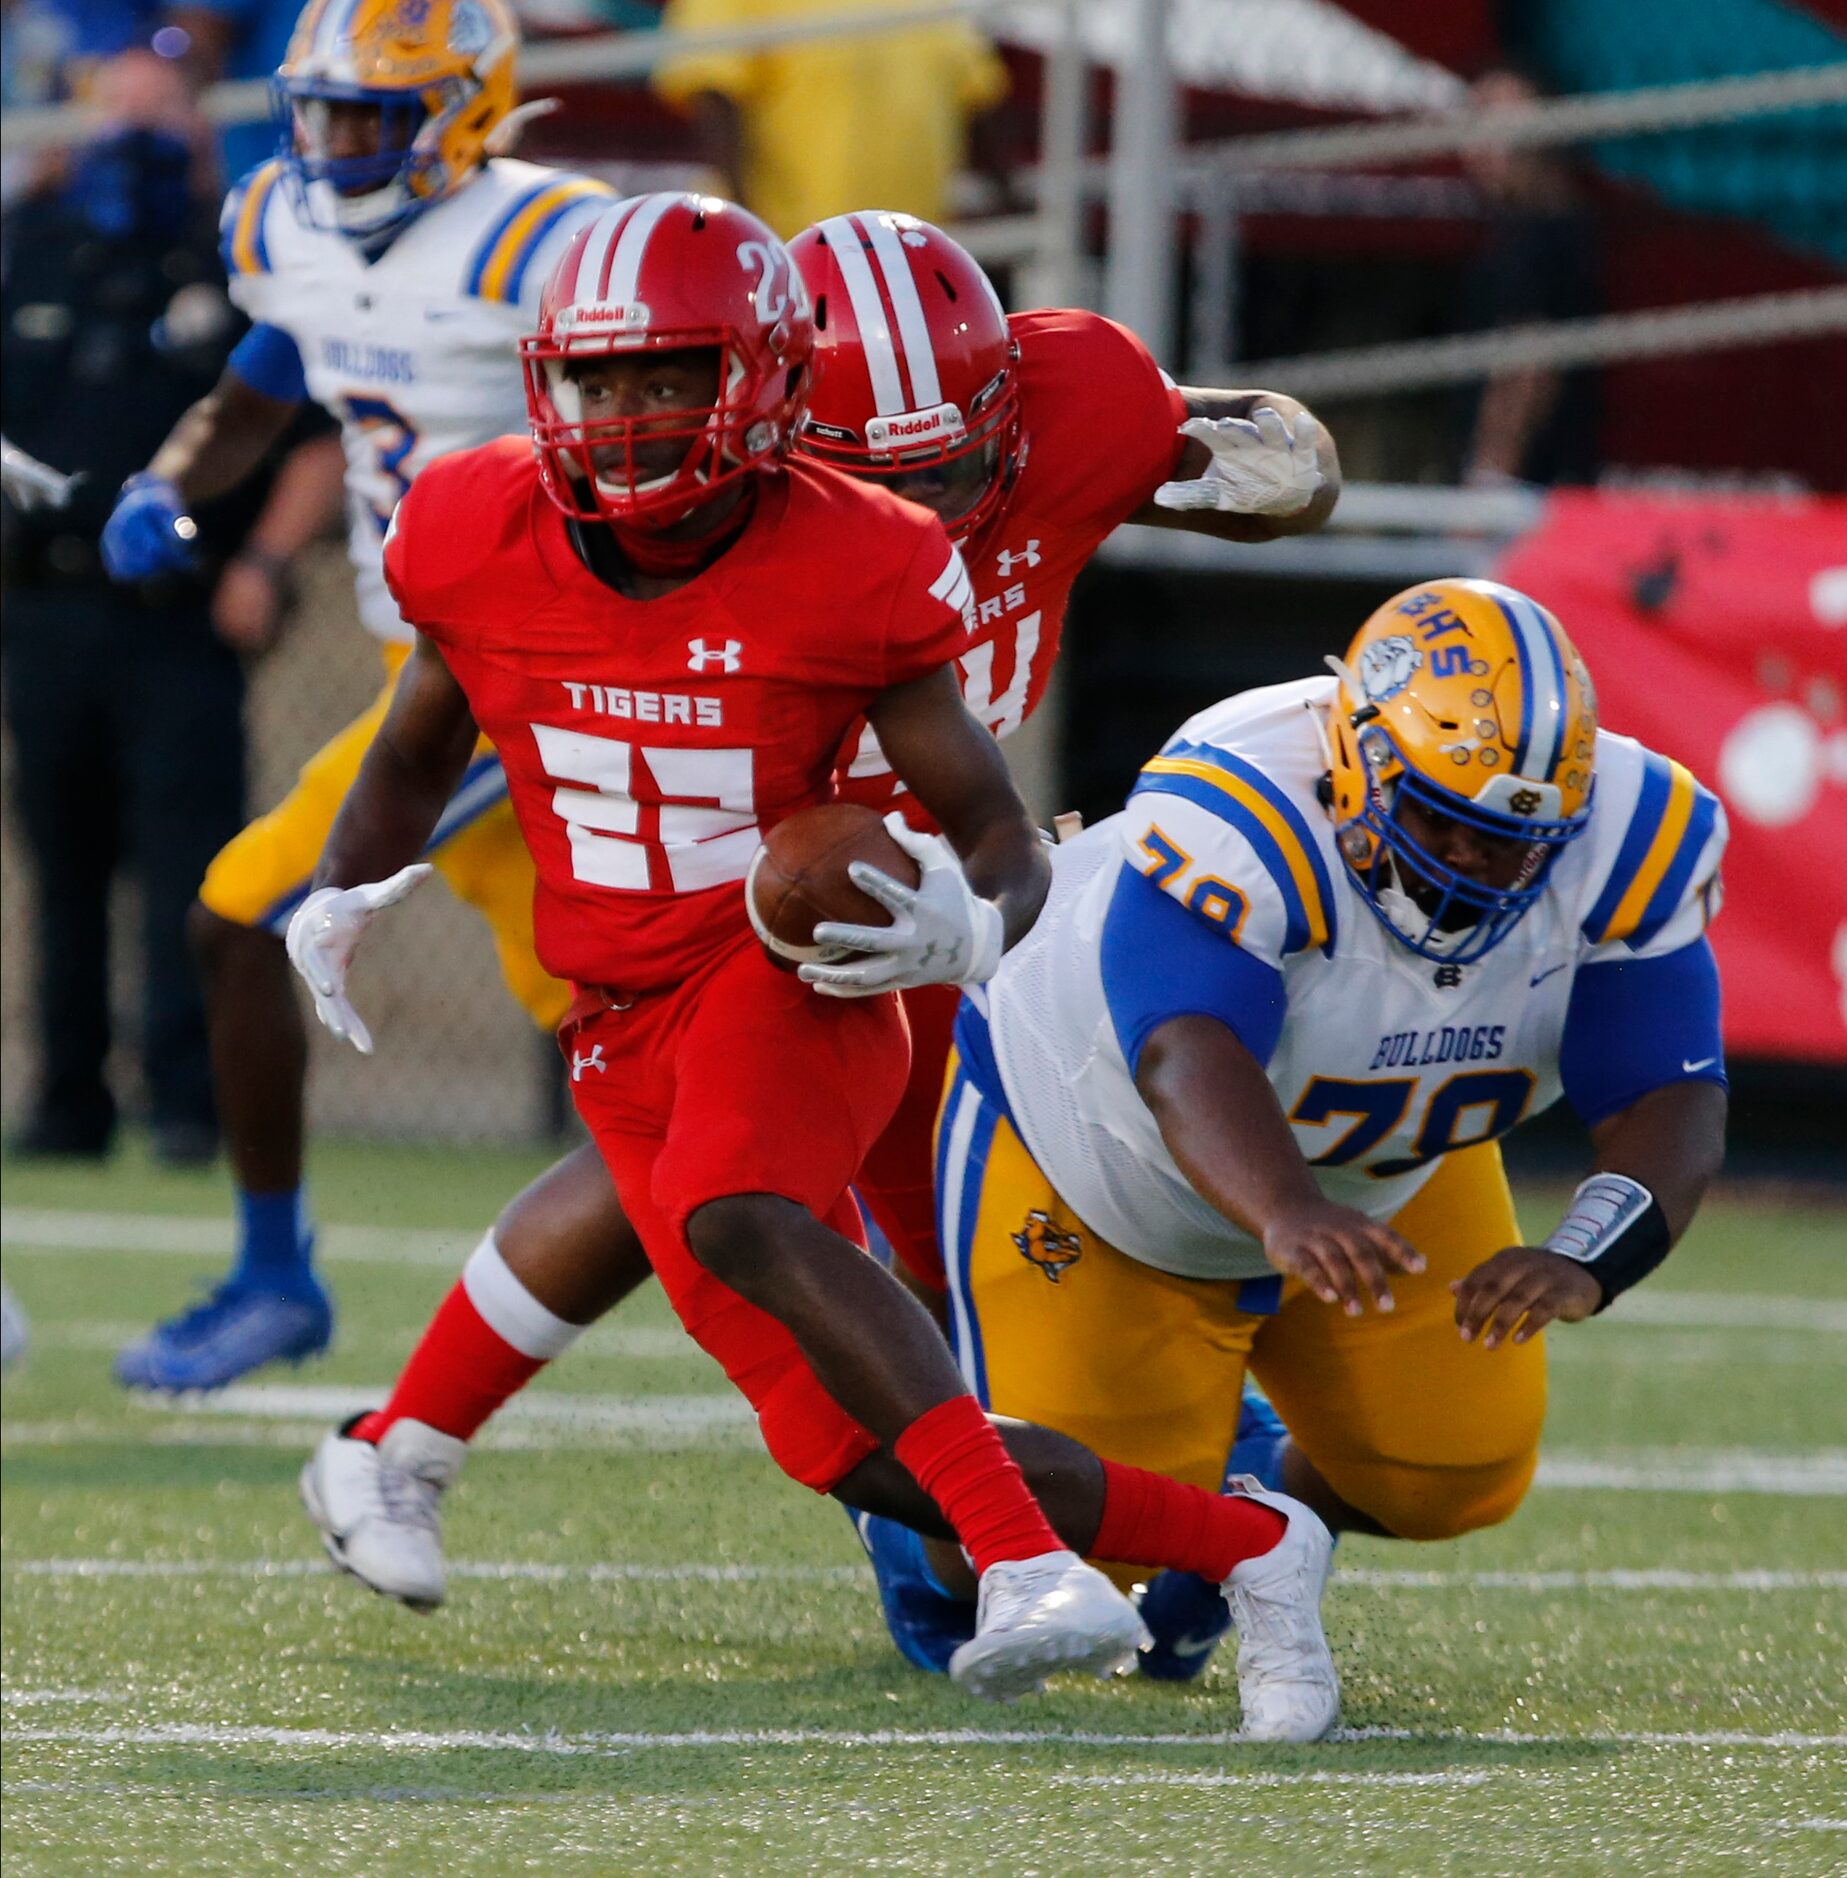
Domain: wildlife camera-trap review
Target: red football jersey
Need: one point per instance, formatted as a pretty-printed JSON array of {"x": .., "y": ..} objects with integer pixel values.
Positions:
[
  {"x": 648, "y": 744},
  {"x": 1101, "y": 427}
]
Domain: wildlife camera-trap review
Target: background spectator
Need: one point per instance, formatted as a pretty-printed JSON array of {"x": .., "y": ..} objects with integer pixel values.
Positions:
[
  {"x": 1539, "y": 262},
  {"x": 232, "y": 39},
  {"x": 125, "y": 705},
  {"x": 815, "y": 128}
]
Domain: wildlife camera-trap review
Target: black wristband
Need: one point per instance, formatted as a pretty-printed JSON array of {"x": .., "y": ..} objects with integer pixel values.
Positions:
[{"x": 1616, "y": 1230}]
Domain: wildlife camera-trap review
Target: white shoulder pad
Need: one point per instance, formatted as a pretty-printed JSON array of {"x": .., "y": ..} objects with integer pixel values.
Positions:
[
  {"x": 524, "y": 216},
  {"x": 248, "y": 226},
  {"x": 1226, "y": 820},
  {"x": 1651, "y": 880}
]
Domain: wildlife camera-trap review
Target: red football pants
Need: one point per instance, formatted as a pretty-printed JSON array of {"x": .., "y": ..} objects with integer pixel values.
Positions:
[
  {"x": 742, "y": 1080},
  {"x": 897, "y": 1182}
]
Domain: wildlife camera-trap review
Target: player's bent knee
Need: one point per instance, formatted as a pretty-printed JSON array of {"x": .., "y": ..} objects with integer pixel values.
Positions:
[
  {"x": 1425, "y": 1503},
  {"x": 809, "y": 1435},
  {"x": 730, "y": 1237}
]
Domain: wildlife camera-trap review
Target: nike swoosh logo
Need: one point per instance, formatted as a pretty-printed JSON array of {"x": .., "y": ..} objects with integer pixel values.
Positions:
[
  {"x": 443, "y": 312},
  {"x": 1705, "y": 1062},
  {"x": 1543, "y": 976},
  {"x": 1195, "y": 1643}
]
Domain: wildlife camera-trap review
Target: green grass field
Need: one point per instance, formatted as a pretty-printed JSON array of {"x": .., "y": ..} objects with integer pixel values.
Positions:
[{"x": 660, "y": 1657}]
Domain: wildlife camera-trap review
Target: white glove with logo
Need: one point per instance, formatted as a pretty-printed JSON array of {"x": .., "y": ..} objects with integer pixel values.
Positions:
[
  {"x": 941, "y": 933},
  {"x": 325, "y": 933},
  {"x": 1260, "y": 465}
]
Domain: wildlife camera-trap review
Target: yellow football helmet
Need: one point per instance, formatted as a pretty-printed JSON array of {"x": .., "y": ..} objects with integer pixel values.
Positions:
[
  {"x": 439, "y": 73},
  {"x": 1463, "y": 702}
]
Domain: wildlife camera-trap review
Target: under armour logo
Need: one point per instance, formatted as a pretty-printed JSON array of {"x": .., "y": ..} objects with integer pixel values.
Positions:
[
  {"x": 1007, "y": 560},
  {"x": 700, "y": 654},
  {"x": 580, "y": 1062}
]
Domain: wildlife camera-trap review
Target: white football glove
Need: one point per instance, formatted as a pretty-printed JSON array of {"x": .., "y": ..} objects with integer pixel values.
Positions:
[
  {"x": 30, "y": 484},
  {"x": 941, "y": 933},
  {"x": 1260, "y": 465},
  {"x": 325, "y": 933}
]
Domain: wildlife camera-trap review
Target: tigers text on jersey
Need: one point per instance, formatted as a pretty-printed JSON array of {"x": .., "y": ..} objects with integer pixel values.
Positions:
[
  {"x": 1101, "y": 428},
  {"x": 647, "y": 744},
  {"x": 415, "y": 351},
  {"x": 1385, "y": 1059}
]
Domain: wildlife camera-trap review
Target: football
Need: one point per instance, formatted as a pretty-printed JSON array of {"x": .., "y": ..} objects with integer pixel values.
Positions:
[{"x": 799, "y": 878}]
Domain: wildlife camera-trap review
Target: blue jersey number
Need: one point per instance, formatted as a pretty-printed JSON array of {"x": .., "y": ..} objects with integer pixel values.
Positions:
[
  {"x": 393, "y": 437},
  {"x": 1473, "y": 1106}
]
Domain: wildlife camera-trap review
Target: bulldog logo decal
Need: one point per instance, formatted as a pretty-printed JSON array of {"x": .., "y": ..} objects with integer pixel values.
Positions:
[{"x": 1049, "y": 1247}]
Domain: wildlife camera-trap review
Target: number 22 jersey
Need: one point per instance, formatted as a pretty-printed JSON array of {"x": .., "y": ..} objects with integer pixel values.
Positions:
[{"x": 648, "y": 744}]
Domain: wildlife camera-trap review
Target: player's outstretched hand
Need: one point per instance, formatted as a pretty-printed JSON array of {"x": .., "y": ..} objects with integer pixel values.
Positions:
[
  {"x": 325, "y": 933},
  {"x": 1519, "y": 1292},
  {"x": 1342, "y": 1256},
  {"x": 1261, "y": 465},
  {"x": 942, "y": 932},
  {"x": 148, "y": 531}
]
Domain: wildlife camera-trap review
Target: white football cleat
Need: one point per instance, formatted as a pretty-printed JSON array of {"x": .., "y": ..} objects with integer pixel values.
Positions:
[
  {"x": 1286, "y": 1678},
  {"x": 1041, "y": 1615},
  {"x": 378, "y": 1507}
]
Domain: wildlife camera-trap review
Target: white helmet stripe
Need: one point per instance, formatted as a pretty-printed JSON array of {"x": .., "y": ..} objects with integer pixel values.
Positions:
[
  {"x": 625, "y": 268},
  {"x": 1542, "y": 709},
  {"x": 590, "y": 256},
  {"x": 868, "y": 314},
  {"x": 907, "y": 303}
]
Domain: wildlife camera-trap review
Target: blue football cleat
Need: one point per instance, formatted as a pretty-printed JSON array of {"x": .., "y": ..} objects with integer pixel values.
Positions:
[
  {"x": 226, "y": 1335},
  {"x": 926, "y": 1623},
  {"x": 1186, "y": 1614}
]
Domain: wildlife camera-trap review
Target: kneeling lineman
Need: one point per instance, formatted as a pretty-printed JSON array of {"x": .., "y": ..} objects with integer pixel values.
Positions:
[{"x": 1233, "y": 1101}]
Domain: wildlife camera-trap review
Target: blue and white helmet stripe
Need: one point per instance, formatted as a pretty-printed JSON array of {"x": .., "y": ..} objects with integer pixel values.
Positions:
[{"x": 1542, "y": 689}]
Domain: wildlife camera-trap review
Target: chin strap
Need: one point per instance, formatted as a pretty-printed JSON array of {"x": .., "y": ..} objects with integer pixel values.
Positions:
[{"x": 651, "y": 552}]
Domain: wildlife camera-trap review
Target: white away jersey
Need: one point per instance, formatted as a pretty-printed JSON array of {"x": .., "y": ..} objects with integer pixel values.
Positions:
[
  {"x": 1386, "y": 1059},
  {"x": 414, "y": 352}
]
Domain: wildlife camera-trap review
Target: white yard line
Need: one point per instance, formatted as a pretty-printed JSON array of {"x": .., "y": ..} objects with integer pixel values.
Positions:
[
  {"x": 1725, "y": 1310},
  {"x": 537, "y": 1437},
  {"x": 1473, "y": 1778},
  {"x": 43, "y": 1698},
  {"x": 295, "y": 1416},
  {"x": 34, "y": 1229},
  {"x": 424, "y": 1741},
  {"x": 494, "y": 1571},
  {"x": 1700, "y": 1470},
  {"x": 637, "y": 1342},
  {"x": 334, "y": 1402},
  {"x": 535, "y": 1571}
]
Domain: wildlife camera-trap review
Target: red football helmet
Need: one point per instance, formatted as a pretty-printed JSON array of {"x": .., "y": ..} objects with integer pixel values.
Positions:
[
  {"x": 666, "y": 273},
  {"x": 914, "y": 365}
]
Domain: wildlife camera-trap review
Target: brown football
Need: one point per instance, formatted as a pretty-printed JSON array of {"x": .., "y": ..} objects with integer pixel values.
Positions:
[{"x": 799, "y": 878}]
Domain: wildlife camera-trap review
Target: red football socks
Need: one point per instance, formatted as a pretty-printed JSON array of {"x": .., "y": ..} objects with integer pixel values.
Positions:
[
  {"x": 457, "y": 1376},
  {"x": 1151, "y": 1520},
  {"x": 962, "y": 1464}
]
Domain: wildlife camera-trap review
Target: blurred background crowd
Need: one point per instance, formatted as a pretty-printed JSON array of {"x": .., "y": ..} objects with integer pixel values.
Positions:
[{"x": 1564, "y": 278}]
